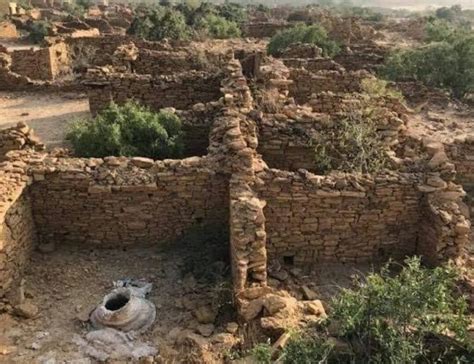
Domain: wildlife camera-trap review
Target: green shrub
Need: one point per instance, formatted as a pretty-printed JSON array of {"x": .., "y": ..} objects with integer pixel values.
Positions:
[
  {"x": 171, "y": 25},
  {"x": 233, "y": 12},
  {"x": 159, "y": 24},
  {"x": 413, "y": 317},
  {"x": 397, "y": 319},
  {"x": 440, "y": 30},
  {"x": 447, "y": 64},
  {"x": 351, "y": 145},
  {"x": 218, "y": 27},
  {"x": 128, "y": 130},
  {"x": 38, "y": 30},
  {"x": 262, "y": 353},
  {"x": 308, "y": 349},
  {"x": 187, "y": 19},
  {"x": 376, "y": 87},
  {"x": 306, "y": 34}
]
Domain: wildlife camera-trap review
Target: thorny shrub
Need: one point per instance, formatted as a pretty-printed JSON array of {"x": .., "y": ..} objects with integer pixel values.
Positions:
[{"x": 350, "y": 145}]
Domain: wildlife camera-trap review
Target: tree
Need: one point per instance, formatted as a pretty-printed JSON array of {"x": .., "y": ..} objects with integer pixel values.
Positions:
[
  {"x": 446, "y": 64},
  {"x": 218, "y": 27}
]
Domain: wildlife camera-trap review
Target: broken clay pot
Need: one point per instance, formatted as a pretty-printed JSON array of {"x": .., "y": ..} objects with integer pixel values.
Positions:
[{"x": 124, "y": 311}]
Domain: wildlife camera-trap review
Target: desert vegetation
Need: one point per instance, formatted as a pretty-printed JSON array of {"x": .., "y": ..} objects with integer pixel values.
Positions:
[
  {"x": 271, "y": 184},
  {"x": 304, "y": 34},
  {"x": 414, "y": 316},
  {"x": 186, "y": 21},
  {"x": 128, "y": 130},
  {"x": 446, "y": 60}
]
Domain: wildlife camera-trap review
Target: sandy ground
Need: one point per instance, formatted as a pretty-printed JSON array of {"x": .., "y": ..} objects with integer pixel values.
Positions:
[
  {"x": 48, "y": 114},
  {"x": 68, "y": 283}
]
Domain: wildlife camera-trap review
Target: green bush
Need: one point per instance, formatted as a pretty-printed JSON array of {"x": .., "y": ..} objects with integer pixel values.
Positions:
[
  {"x": 413, "y": 317},
  {"x": 159, "y": 24},
  {"x": 187, "y": 19},
  {"x": 447, "y": 64},
  {"x": 308, "y": 349},
  {"x": 218, "y": 27},
  {"x": 128, "y": 130},
  {"x": 233, "y": 12},
  {"x": 351, "y": 145},
  {"x": 396, "y": 318},
  {"x": 171, "y": 25},
  {"x": 376, "y": 87},
  {"x": 38, "y": 30},
  {"x": 262, "y": 353},
  {"x": 440, "y": 30},
  {"x": 306, "y": 34}
]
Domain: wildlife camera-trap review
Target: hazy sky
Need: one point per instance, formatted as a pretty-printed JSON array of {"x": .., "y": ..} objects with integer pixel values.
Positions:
[{"x": 421, "y": 3}]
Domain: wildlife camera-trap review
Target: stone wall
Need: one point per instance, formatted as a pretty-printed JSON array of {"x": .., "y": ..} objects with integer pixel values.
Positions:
[
  {"x": 159, "y": 63},
  {"x": 17, "y": 240},
  {"x": 197, "y": 124},
  {"x": 307, "y": 83},
  {"x": 33, "y": 63},
  {"x": 364, "y": 56},
  {"x": 462, "y": 154},
  {"x": 347, "y": 218},
  {"x": 123, "y": 202},
  {"x": 16, "y": 138},
  {"x": 313, "y": 64},
  {"x": 41, "y": 64},
  {"x": 98, "y": 51},
  {"x": 17, "y": 235},
  {"x": 287, "y": 146},
  {"x": 117, "y": 202},
  {"x": 155, "y": 92},
  {"x": 264, "y": 29}
]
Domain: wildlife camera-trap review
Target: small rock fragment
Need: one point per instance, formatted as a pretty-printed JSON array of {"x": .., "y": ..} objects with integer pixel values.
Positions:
[{"x": 26, "y": 310}]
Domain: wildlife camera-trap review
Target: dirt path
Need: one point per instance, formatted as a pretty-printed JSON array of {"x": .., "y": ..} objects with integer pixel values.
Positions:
[{"x": 48, "y": 114}]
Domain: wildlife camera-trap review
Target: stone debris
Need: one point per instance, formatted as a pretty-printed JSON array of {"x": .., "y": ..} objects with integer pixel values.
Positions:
[
  {"x": 111, "y": 344},
  {"x": 26, "y": 310}
]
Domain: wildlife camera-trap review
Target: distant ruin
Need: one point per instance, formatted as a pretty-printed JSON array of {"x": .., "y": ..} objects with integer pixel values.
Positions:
[{"x": 251, "y": 125}]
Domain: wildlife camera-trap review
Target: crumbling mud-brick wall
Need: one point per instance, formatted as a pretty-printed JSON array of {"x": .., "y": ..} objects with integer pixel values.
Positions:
[
  {"x": 180, "y": 91},
  {"x": 126, "y": 202},
  {"x": 46, "y": 63},
  {"x": 342, "y": 218}
]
